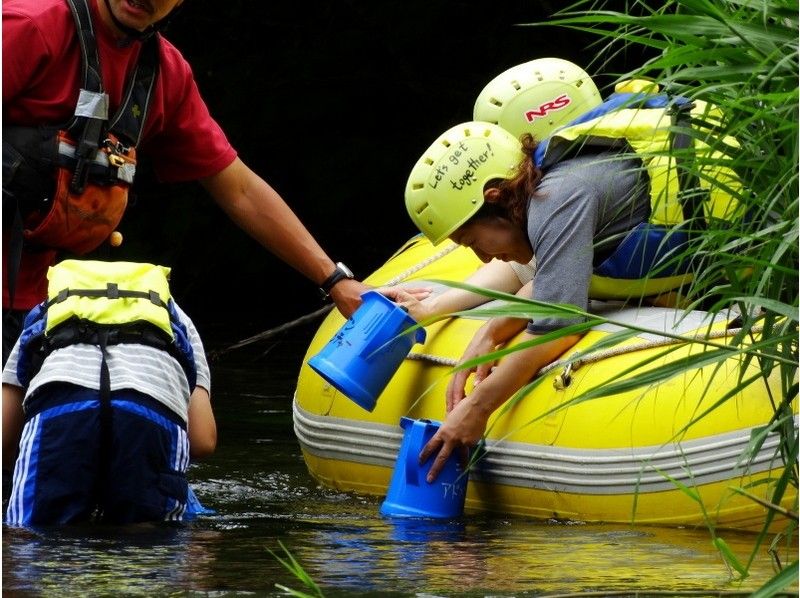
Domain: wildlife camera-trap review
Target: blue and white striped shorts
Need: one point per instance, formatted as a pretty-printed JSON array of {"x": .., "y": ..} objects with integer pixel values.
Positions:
[{"x": 64, "y": 474}]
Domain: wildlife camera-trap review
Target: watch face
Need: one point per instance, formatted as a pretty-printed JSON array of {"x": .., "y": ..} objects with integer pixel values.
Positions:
[{"x": 345, "y": 269}]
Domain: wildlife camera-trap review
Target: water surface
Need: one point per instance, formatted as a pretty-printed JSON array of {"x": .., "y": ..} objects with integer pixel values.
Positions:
[{"x": 263, "y": 494}]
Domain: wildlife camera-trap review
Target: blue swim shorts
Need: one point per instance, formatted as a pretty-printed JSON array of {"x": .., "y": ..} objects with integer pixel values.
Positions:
[{"x": 73, "y": 468}]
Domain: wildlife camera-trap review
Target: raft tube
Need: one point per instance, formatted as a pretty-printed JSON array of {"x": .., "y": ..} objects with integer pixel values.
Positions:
[{"x": 649, "y": 456}]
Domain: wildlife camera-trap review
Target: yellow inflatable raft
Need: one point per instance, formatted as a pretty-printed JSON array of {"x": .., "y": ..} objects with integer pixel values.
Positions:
[{"x": 624, "y": 458}]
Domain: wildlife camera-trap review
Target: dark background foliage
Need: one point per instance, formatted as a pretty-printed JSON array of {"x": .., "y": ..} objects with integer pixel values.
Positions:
[{"x": 331, "y": 103}]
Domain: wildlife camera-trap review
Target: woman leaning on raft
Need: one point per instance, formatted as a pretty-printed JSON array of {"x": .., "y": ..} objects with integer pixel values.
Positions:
[{"x": 480, "y": 187}]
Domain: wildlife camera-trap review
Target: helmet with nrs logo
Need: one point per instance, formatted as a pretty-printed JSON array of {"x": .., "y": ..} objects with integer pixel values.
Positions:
[
  {"x": 445, "y": 187},
  {"x": 537, "y": 97}
]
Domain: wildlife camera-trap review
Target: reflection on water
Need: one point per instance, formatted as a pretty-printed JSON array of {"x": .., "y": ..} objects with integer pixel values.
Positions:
[{"x": 262, "y": 492}]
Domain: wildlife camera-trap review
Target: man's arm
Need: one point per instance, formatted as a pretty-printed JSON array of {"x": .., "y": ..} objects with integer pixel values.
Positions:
[{"x": 263, "y": 214}]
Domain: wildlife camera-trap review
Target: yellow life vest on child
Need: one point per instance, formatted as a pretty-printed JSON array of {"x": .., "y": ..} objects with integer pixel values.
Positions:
[
  {"x": 108, "y": 293},
  {"x": 104, "y": 303}
]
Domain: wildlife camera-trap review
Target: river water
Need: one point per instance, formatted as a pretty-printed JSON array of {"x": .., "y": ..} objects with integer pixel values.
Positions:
[{"x": 259, "y": 486}]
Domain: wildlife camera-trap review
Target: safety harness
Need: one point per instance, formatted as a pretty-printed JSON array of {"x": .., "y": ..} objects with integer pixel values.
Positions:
[
  {"x": 68, "y": 185},
  {"x": 664, "y": 132}
]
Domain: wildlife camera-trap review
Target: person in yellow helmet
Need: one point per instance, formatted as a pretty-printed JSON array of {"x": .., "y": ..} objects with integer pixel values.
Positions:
[
  {"x": 535, "y": 97},
  {"x": 574, "y": 194},
  {"x": 478, "y": 185}
]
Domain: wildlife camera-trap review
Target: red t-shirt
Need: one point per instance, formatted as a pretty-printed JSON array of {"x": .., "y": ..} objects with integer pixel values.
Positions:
[{"x": 41, "y": 79}]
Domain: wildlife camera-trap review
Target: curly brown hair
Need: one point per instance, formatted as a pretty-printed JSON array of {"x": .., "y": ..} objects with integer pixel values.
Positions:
[{"x": 515, "y": 192}]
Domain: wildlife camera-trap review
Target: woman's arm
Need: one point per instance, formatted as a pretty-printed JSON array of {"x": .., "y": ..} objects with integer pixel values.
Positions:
[
  {"x": 466, "y": 423},
  {"x": 496, "y": 275},
  {"x": 493, "y": 334},
  {"x": 488, "y": 338}
]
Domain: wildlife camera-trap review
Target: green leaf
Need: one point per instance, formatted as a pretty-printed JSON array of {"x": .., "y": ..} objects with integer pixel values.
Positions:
[
  {"x": 729, "y": 557},
  {"x": 784, "y": 581},
  {"x": 293, "y": 566},
  {"x": 789, "y": 311}
]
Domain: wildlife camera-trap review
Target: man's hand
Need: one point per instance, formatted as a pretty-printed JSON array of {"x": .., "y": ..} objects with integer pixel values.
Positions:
[{"x": 346, "y": 295}]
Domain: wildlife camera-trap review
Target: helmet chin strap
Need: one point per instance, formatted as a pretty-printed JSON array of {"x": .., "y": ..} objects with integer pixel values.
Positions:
[{"x": 136, "y": 35}]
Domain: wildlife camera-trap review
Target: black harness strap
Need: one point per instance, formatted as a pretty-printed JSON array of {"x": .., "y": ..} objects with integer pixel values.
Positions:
[
  {"x": 128, "y": 122},
  {"x": 87, "y": 130},
  {"x": 106, "y": 426},
  {"x": 91, "y": 77},
  {"x": 112, "y": 291},
  {"x": 14, "y": 256}
]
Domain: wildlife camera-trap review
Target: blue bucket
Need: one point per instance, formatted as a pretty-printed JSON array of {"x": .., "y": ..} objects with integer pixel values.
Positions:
[
  {"x": 410, "y": 494},
  {"x": 365, "y": 353}
]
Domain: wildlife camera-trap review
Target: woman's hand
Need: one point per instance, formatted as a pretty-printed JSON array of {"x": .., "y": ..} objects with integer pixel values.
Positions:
[
  {"x": 481, "y": 344},
  {"x": 463, "y": 427},
  {"x": 410, "y": 299},
  {"x": 466, "y": 422}
]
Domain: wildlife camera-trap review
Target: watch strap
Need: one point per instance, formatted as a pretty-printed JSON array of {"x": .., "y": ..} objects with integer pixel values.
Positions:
[{"x": 340, "y": 273}]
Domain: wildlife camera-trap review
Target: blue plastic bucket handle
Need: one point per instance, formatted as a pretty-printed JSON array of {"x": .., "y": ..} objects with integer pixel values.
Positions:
[{"x": 415, "y": 440}]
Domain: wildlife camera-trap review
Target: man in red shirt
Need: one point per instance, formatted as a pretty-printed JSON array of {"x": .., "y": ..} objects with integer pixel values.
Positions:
[{"x": 41, "y": 82}]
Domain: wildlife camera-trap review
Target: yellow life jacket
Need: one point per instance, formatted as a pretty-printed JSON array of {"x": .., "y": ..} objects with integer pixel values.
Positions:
[
  {"x": 104, "y": 303},
  {"x": 108, "y": 293},
  {"x": 655, "y": 128}
]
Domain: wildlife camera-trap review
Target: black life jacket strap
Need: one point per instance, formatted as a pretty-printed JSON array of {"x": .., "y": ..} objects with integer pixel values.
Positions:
[
  {"x": 112, "y": 291},
  {"x": 14, "y": 254},
  {"x": 89, "y": 127},
  {"x": 106, "y": 426},
  {"x": 91, "y": 77},
  {"x": 79, "y": 331},
  {"x": 128, "y": 122}
]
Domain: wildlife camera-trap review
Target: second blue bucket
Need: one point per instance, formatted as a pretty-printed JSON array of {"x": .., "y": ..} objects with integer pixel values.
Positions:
[
  {"x": 365, "y": 353},
  {"x": 409, "y": 493}
]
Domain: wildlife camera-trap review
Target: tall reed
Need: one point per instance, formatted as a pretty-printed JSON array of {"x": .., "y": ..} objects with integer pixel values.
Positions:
[{"x": 742, "y": 56}]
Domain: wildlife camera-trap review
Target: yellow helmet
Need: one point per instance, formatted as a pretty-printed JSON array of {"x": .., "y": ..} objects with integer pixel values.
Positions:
[
  {"x": 445, "y": 187},
  {"x": 537, "y": 97}
]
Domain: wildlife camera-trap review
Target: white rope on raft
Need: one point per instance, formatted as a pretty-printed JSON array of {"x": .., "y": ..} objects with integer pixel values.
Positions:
[
  {"x": 600, "y": 355},
  {"x": 324, "y": 310},
  {"x": 426, "y": 262}
]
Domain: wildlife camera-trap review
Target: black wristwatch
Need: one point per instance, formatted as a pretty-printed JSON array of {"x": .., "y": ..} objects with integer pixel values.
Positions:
[{"x": 338, "y": 275}]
